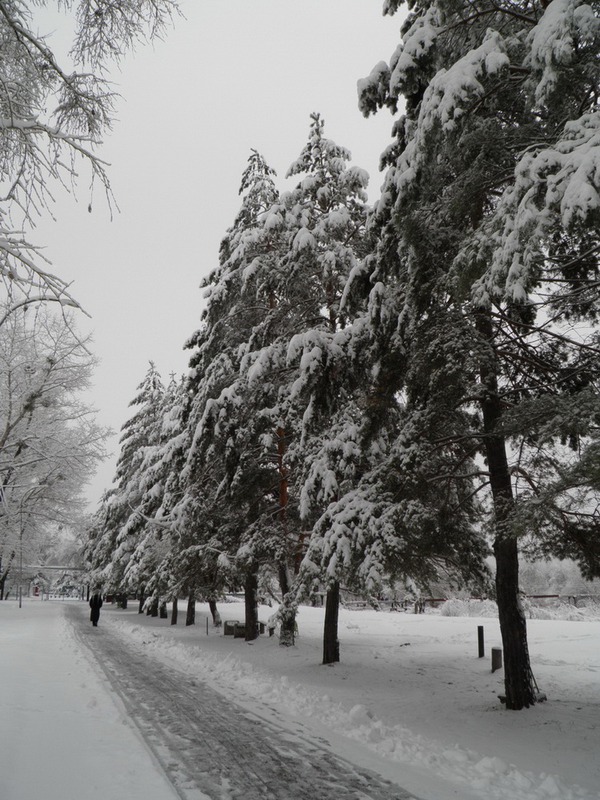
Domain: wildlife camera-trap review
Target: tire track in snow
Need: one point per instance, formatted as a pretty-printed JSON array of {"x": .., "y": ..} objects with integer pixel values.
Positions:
[{"x": 210, "y": 748}]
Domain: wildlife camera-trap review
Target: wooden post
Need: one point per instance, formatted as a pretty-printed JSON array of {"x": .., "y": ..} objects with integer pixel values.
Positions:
[
  {"x": 496, "y": 658},
  {"x": 480, "y": 644}
]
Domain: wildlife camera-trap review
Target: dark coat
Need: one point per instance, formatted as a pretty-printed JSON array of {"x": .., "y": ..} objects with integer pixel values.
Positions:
[{"x": 95, "y": 605}]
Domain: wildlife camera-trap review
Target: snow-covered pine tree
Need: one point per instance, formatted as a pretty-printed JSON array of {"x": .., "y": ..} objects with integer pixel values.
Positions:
[
  {"x": 493, "y": 196},
  {"x": 221, "y": 478},
  {"x": 324, "y": 222},
  {"x": 286, "y": 373},
  {"x": 151, "y": 560},
  {"x": 293, "y": 262},
  {"x": 180, "y": 518},
  {"x": 387, "y": 519},
  {"x": 122, "y": 524}
]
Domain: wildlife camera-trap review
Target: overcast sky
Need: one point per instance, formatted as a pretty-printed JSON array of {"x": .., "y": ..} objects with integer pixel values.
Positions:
[{"x": 232, "y": 75}]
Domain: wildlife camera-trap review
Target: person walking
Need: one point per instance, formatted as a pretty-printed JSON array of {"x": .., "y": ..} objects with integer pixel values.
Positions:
[{"x": 95, "y": 605}]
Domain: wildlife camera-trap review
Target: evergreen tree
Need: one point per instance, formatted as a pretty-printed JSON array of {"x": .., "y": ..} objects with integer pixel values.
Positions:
[
  {"x": 318, "y": 232},
  {"x": 283, "y": 277},
  {"x": 326, "y": 215},
  {"x": 218, "y": 474},
  {"x": 120, "y": 518},
  {"x": 149, "y": 563},
  {"x": 492, "y": 198}
]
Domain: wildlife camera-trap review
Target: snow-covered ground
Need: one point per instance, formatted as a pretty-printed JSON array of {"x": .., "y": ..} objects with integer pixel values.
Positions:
[
  {"x": 410, "y": 699},
  {"x": 63, "y": 736}
]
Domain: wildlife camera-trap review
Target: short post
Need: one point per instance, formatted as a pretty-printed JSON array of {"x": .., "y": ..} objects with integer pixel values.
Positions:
[
  {"x": 480, "y": 644},
  {"x": 496, "y": 658}
]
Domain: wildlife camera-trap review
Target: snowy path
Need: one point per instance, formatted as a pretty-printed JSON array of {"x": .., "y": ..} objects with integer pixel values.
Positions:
[
  {"x": 210, "y": 747},
  {"x": 61, "y": 735}
]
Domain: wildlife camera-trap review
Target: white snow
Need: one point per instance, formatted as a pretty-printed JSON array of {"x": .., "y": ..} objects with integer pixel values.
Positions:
[
  {"x": 410, "y": 699},
  {"x": 63, "y": 735}
]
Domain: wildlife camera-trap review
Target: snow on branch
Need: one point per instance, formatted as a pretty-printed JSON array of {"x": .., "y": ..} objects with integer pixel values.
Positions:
[
  {"x": 556, "y": 185},
  {"x": 448, "y": 97},
  {"x": 564, "y": 26}
]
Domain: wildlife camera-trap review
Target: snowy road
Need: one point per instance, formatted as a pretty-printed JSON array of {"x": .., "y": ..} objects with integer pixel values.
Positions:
[{"x": 210, "y": 748}]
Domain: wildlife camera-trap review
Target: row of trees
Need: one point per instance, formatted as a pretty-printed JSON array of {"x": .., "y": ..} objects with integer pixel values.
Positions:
[
  {"x": 386, "y": 393},
  {"x": 50, "y": 442},
  {"x": 52, "y": 118}
]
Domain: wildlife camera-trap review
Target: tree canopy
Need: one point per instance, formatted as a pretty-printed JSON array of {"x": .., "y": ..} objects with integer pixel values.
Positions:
[{"x": 392, "y": 393}]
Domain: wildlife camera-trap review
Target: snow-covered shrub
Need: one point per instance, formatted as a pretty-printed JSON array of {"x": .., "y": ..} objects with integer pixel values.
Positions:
[
  {"x": 564, "y": 611},
  {"x": 488, "y": 608},
  {"x": 590, "y": 604},
  {"x": 452, "y": 608},
  {"x": 468, "y": 608}
]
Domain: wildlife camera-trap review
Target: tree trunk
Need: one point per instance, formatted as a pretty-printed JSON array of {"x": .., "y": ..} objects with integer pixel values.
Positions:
[
  {"x": 250, "y": 604},
  {"x": 214, "y": 612},
  {"x": 5, "y": 575},
  {"x": 163, "y": 610},
  {"x": 142, "y": 601},
  {"x": 287, "y": 611},
  {"x": 190, "y": 617},
  {"x": 174, "y": 612},
  {"x": 331, "y": 645},
  {"x": 518, "y": 678},
  {"x": 153, "y": 608}
]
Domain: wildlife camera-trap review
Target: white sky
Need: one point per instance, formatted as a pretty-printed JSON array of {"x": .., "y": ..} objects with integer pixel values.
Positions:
[{"x": 231, "y": 76}]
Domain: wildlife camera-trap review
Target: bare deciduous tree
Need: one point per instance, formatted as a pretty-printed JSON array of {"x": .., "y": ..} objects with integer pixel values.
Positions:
[
  {"x": 52, "y": 118},
  {"x": 50, "y": 442}
]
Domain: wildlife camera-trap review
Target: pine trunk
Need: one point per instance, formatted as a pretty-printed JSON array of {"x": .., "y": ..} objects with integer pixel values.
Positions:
[
  {"x": 287, "y": 615},
  {"x": 214, "y": 611},
  {"x": 163, "y": 610},
  {"x": 250, "y": 604},
  {"x": 331, "y": 645},
  {"x": 518, "y": 678},
  {"x": 174, "y": 612},
  {"x": 142, "y": 601},
  {"x": 190, "y": 617},
  {"x": 287, "y": 612}
]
